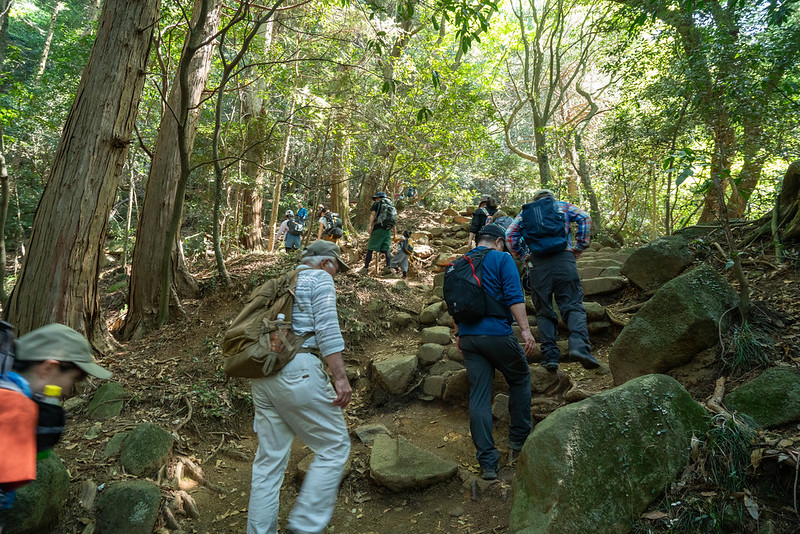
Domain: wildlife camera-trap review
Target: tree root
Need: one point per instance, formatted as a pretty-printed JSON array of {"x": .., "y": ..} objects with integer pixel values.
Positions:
[
  {"x": 195, "y": 472},
  {"x": 714, "y": 403}
]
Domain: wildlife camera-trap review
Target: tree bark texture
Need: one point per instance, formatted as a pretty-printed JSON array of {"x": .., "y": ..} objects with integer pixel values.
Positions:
[
  {"x": 788, "y": 204},
  {"x": 4, "y": 194},
  {"x": 160, "y": 199},
  {"x": 59, "y": 279}
]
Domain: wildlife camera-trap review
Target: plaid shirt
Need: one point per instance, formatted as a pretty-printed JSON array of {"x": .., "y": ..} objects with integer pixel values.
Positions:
[{"x": 518, "y": 247}]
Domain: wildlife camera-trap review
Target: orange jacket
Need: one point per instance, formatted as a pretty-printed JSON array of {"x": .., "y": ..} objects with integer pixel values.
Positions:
[{"x": 18, "y": 418}]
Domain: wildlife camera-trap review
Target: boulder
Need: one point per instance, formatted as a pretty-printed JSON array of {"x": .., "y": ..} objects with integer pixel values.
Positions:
[
  {"x": 454, "y": 354},
  {"x": 145, "y": 450},
  {"x": 549, "y": 384},
  {"x": 658, "y": 262},
  {"x": 430, "y": 313},
  {"x": 430, "y": 353},
  {"x": 436, "y": 334},
  {"x": 402, "y": 319},
  {"x": 445, "y": 259},
  {"x": 38, "y": 504},
  {"x": 128, "y": 507},
  {"x": 595, "y": 465},
  {"x": 446, "y": 320},
  {"x": 771, "y": 399},
  {"x": 438, "y": 231},
  {"x": 590, "y": 272},
  {"x": 399, "y": 465},
  {"x": 438, "y": 280},
  {"x": 602, "y": 285},
  {"x": 366, "y": 433},
  {"x": 679, "y": 321},
  {"x": 500, "y": 408},
  {"x": 114, "y": 445},
  {"x": 594, "y": 311},
  {"x": 433, "y": 385},
  {"x": 445, "y": 368},
  {"x": 460, "y": 219},
  {"x": 593, "y": 261},
  {"x": 107, "y": 401},
  {"x": 450, "y": 212},
  {"x": 395, "y": 374},
  {"x": 456, "y": 391}
]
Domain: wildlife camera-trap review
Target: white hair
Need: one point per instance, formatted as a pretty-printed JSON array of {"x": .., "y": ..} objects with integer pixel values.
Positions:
[{"x": 314, "y": 261}]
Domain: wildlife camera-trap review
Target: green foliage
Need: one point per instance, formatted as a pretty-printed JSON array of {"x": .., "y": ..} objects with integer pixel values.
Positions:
[
  {"x": 728, "y": 445},
  {"x": 748, "y": 350}
]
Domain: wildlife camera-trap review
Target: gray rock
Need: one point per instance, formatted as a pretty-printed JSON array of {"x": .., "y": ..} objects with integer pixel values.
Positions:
[
  {"x": 598, "y": 327},
  {"x": 612, "y": 271},
  {"x": 658, "y": 262},
  {"x": 366, "y": 433},
  {"x": 430, "y": 353},
  {"x": 433, "y": 385},
  {"x": 114, "y": 445},
  {"x": 445, "y": 368},
  {"x": 500, "y": 408},
  {"x": 544, "y": 382},
  {"x": 594, "y": 311},
  {"x": 430, "y": 313},
  {"x": 107, "y": 401},
  {"x": 454, "y": 354},
  {"x": 438, "y": 280},
  {"x": 402, "y": 319},
  {"x": 38, "y": 504},
  {"x": 594, "y": 465},
  {"x": 596, "y": 261},
  {"x": 590, "y": 272},
  {"x": 679, "y": 321},
  {"x": 771, "y": 399},
  {"x": 436, "y": 334},
  {"x": 146, "y": 449},
  {"x": 456, "y": 391},
  {"x": 438, "y": 232},
  {"x": 128, "y": 507},
  {"x": 602, "y": 285},
  {"x": 446, "y": 320},
  {"x": 438, "y": 292},
  {"x": 395, "y": 374},
  {"x": 399, "y": 465}
]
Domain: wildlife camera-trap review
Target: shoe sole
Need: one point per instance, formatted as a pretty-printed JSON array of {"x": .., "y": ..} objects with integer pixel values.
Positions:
[{"x": 587, "y": 363}]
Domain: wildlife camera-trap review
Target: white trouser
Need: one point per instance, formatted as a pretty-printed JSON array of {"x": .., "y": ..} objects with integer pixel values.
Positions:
[{"x": 298, "y": 400}]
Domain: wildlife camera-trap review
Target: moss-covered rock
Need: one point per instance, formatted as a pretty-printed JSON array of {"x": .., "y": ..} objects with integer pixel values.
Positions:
[
  {"x": 107, "y": 401},
  {"x": 146, "y": 449},
  {"x": 658, "y": 262},
  {"x": 39, "y": 503},
  {"x": 771, "y": 399},
  {"x": 595, "y": 465},
  {"x": 128, "y": 507},
  {"x": 678, "y": 322}
]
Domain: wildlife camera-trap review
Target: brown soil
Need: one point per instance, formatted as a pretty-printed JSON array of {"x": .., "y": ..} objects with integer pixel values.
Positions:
[{"x": 174, "y": 379}]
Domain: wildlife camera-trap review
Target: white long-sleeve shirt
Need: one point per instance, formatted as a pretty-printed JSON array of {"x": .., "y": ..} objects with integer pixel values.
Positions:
[{"x": 314, "y": 310}]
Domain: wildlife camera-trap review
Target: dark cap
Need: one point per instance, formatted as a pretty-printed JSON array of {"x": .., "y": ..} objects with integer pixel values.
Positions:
[
  {"x": 321, "y": 247},
  {"x": 379, "y": 194},
  {"x": 492, "y": 230},
  {"x": 61, "y": 343}
]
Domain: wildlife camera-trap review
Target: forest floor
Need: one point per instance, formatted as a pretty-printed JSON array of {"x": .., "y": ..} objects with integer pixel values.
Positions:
[{"x": 174, "y": 378}]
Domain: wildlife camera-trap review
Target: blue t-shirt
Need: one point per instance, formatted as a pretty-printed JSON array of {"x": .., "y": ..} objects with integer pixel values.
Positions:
[{"x": 500, "y": 279}]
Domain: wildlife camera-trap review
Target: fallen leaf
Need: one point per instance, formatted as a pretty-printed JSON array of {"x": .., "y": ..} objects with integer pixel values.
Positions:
[
  {"x": 655, "y": 515},
  {"x": 785, "y": 443},
  {"x": 756, "y": 457},
  {"x": 752, "y": 506}
]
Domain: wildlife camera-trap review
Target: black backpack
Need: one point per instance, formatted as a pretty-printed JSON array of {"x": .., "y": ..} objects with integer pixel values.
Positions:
[
  {"x": 466, "y": 300},
  {"x": 333, "y": 224},
  {"x": 543, "y": 227},
  {"x": 386, "y": 217},
  {"x": 294, "y": 227}
]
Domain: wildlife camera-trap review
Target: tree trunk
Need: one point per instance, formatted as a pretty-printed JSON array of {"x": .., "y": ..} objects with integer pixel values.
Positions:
[
  {"x": 5, "y": 8},
  {"x": 48, "y": 41},
  {"x": 542, "y": 157},
  {"x": 340, "y": 195},
  {"x": 3, "y": 214},
  {"x": 586, "y": 181},
  {"x": 58, "y": 281},
  {"x": 162, "y": 196}
]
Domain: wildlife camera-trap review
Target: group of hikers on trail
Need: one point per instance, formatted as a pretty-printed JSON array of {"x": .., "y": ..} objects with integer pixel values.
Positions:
[{"x": 289, "y": 332}]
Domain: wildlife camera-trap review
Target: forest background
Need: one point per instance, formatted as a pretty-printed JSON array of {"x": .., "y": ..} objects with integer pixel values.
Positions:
[{"x": 143, "y": 132}]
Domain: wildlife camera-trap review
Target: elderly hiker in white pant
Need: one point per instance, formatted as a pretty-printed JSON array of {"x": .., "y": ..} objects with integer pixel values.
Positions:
[{"x": 300, "y": 401}]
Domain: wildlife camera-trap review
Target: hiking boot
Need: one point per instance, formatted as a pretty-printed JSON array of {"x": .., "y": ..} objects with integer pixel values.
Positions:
[
  {"x": 586, "y": 360},
  {"x": 363, "y": 270},
  {"x": 386, "y": 270},
  {"x": 550, "y": 366},
  {"x": 489, "y": 474}
]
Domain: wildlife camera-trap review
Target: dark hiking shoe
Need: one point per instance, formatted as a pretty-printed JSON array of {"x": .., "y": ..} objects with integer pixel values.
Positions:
[
  {"x": 489, "y": 474},
  {"x": 586, "y": 360},
  {"x": 550, "y": 366}
]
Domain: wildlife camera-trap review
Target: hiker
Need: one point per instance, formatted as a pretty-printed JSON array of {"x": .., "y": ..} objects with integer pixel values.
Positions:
[
  {"x": 302, "y": 213},
  {"x": 330, "y": 225},
  {"x": 487, "y": 206},
  {"x": 299, "y": 401},
  {"x": 488, "y": 344},
  {"x": 53, "y": 355},
  {"x": 501, "y": 219},
  {"x": 382, "y": 218},
  {"x": 540, "y": 238},
  {"x": 290, "y": 230},
  {"x": 404, "y": 251}
]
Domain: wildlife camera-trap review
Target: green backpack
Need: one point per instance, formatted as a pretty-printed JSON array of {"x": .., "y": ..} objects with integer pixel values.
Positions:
[{"x": 247, "y": 343}]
